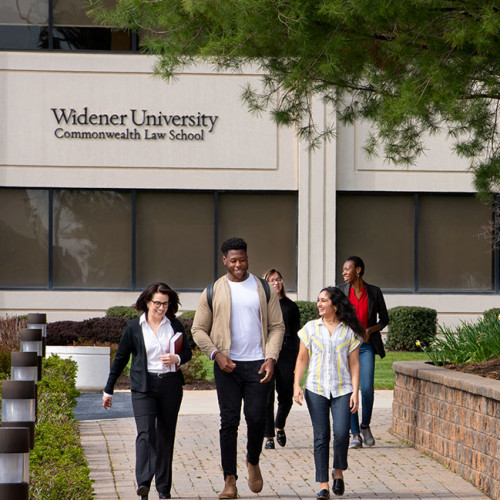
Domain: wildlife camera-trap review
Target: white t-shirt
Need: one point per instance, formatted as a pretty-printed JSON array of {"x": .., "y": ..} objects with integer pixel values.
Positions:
[{"x": 246, "y": 329}]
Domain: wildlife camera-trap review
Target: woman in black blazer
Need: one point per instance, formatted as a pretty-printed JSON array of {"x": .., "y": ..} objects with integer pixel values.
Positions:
[
  {"x": 158, "y": 345},
  {"x": 371, "y": 311}
]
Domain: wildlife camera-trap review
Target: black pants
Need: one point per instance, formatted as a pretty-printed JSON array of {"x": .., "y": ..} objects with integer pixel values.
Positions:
[
  {"x": 283, "y": 379},
  {"x": 155, "y": 415},
  {"x": 243, "y": 384}
]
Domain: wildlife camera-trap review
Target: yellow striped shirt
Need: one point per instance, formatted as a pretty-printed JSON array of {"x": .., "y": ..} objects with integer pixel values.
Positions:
[{"x": 328, "y": 373}]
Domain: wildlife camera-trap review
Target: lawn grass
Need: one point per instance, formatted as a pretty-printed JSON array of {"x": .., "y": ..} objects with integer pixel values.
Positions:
[{"x": 384, "y": 376}]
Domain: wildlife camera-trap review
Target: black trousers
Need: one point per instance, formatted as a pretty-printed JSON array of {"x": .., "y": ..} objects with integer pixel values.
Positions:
[
  {"x": 155, "y": 413},
  {"x": 283, "y": 380},
  {"x": 241, "y": 385}
]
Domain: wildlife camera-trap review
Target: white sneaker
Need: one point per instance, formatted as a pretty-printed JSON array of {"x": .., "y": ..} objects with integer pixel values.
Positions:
[
  {"x": 368, "y": 438},
  {"x": 356, "y": 442}
]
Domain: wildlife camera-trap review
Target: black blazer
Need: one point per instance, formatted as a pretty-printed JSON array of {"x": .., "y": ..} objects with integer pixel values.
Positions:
[
  {"x": 376, "y": 307},
  {"x": 132, "y": 342}
]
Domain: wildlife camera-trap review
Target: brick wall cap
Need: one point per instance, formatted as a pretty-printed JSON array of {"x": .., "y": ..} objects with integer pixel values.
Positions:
[{"x": 474, "y": 384}]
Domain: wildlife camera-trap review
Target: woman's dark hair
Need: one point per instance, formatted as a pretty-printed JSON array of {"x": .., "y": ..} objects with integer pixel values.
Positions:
[
  {"x": 274, "y": 271},
  {"x": 345, "y": 310},
  {"x": 358, "y": 262},
  {"x": 147, "y": 295},
  {"x": 233, "y": 244}
]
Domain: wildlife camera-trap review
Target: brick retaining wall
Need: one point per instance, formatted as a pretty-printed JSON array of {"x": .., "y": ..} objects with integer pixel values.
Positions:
[{"x": 452, "y": 416}]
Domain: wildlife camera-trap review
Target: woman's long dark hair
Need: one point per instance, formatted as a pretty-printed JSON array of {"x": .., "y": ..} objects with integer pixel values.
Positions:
[
  {"x": 147, "y": 295},
  {"x": 345, "y": 311}
]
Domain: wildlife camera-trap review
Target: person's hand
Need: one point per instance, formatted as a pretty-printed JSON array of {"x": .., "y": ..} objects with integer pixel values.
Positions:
[
  {"x": 298, "y": 394},
  {"x": 354, "y": 402},
  {"x": 225, "y": 364},
  {"x": 106, "y": 402},
  {"x": 168, "y": 359},
  {"x": 268, "y": 367}
]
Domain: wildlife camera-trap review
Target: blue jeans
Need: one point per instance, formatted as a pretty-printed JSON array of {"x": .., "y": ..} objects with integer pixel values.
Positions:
[
  {"x": 319, "y": 408},
  {"x": 366, "y": 382}
]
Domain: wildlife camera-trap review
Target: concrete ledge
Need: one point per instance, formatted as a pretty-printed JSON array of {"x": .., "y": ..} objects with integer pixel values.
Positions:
[
  {"x": 92, "y": 362},
  {"x": 452, "y": 416}
]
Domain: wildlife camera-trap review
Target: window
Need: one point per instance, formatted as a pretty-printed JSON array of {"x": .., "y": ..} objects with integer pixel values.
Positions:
[
  {"x": 423, "y": 242},
  {"x": 57, "y": 25},
  {"x": 379, "y": 229},
  {"x": 24, "y": 233},
  {"x": 453, "y": 254},
  {"x": 263, "y": 221},
  {"x": 92, "y": 239},
  {"x": 126, "y": 239},
  {"x": 174, "y": 239}
]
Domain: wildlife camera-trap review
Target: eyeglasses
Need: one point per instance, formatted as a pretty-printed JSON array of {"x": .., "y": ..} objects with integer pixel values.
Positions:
[
  {"x": 275, "y": 280},
  {"x": 159, "y": 304}
]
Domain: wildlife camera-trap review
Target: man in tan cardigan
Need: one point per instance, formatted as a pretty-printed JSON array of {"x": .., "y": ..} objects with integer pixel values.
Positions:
[{"x": 241, "y": 328}]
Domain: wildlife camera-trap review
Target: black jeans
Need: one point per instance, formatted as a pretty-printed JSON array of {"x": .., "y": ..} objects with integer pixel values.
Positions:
[
  {"x": 242, "y": 384},
  {"x": 283, "y": 379},
  {"x": 155, "y": 415}
]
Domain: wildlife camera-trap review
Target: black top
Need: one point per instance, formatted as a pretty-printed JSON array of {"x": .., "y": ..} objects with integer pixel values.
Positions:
[
  {"x": 291, "y": 319},
  {"x": 132, "y": 342}
]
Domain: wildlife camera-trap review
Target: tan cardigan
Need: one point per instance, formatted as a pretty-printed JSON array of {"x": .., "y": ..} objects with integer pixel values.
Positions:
[{"x": 213, "y": 331}]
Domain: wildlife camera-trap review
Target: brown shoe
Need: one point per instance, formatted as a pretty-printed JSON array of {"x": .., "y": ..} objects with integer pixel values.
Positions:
[
  {"x": 230, "y": 490},
  {"x": 255, "y": 481}
]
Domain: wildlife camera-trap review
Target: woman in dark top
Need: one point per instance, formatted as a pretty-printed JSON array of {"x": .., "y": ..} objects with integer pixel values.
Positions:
[
  {"x": 284, "y": 369},
  {"x": 158, "y": 345},
  {"x": 371, "y": 311}
]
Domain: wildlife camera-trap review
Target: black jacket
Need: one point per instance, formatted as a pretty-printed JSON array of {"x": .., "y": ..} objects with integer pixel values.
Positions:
[
  {"x": 377, "y": 313},
  {"x": 132, "y": 342}
]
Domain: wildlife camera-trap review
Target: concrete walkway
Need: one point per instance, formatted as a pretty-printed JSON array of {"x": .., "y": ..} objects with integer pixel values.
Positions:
[{"x": 389, "y": 470}]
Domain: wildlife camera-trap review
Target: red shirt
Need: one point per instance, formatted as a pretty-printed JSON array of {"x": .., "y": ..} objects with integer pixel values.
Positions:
[{"x": 360, "y": 305}]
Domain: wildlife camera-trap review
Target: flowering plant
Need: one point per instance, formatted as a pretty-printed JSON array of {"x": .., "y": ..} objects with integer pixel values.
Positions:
[{"x": 470, "y": 343}]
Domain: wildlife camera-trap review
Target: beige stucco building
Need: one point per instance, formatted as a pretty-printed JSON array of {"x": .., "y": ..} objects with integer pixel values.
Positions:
[{"x": 111, "y": 178}]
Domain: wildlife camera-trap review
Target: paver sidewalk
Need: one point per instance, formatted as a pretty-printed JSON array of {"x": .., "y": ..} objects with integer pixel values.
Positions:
[{"x": 389, "y": 470}]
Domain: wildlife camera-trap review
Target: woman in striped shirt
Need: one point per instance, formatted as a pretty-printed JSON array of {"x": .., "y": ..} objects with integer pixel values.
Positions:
[{"x": 329, "y": 347}]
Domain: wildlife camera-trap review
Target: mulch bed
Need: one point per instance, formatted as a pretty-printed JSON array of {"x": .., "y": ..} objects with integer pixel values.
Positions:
[{"x": 488, "y": 369}]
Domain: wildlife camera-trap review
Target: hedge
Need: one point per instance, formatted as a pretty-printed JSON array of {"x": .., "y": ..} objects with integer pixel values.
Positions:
[
  {"x": 407, "y": 324},
  {"x": 95, "y": 330}
]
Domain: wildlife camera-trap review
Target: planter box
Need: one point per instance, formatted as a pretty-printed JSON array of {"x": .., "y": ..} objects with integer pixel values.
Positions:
[
  {"x": 93, "y": 365},
  {"x": 452, "y": 416}
]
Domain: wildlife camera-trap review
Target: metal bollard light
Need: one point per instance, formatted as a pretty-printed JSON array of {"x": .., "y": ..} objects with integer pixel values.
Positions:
[
  {"x": 39, "y": 321},
  {"x": 31, "y": 341},
  {"x": 19, "y": 405},
  {"x": 24, "y": 366},
  {"x": 14, "y": 462}
]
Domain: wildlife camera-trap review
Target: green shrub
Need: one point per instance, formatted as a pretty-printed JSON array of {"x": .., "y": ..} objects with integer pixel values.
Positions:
[
  {"x": 308, "y": 311},
  {"x": 493, "y": 313},
  {"x": 407, "y": 324},
  {"x": 94, "y": 330},
  {"x": 470, "y": 343},
  {"x": 58, "y": 468},
  {"x": 187, "y": 315},
  {"x": 196, "y": 369},
  {"x": 187, "y": 323},
  {"x": 126, "y": 312},
  {"x": 5, "y": 360}
]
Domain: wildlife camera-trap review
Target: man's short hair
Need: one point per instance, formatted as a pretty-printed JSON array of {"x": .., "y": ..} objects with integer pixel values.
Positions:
[{"x": 233, "y": 244}]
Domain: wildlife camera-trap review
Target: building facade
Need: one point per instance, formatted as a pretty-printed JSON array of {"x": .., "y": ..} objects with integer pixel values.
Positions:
[{"x": 111, "y": 178}]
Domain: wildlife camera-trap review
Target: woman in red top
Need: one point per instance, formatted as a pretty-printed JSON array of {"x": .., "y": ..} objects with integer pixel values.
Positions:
[{"x": 372, "y": 314}]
